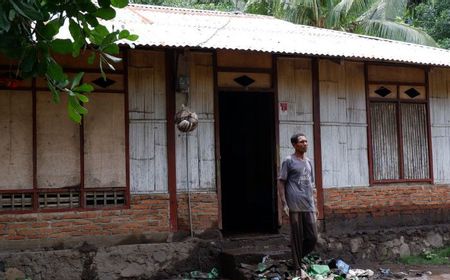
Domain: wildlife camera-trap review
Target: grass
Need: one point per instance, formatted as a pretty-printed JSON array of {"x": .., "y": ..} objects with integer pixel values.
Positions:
[{"x": 432, "y": 257}]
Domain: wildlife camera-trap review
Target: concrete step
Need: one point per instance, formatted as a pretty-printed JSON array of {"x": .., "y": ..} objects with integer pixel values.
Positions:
[
  {"x": 251, "y": 250},
  {"x": 255, "y": 241}
]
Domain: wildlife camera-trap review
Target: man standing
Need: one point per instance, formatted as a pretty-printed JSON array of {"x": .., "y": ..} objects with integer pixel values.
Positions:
[{"x": 295, "y": 187}]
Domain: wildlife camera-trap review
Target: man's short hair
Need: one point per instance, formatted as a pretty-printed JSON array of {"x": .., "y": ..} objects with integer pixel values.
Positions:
[{"x": 294, "y": 138}]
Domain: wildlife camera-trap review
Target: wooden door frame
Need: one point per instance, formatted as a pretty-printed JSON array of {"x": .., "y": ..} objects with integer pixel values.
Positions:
[{"x": 276, "y": 152}]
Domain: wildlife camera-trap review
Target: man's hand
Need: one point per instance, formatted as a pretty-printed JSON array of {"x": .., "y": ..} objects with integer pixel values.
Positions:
[{"x": 286, "y": 210}]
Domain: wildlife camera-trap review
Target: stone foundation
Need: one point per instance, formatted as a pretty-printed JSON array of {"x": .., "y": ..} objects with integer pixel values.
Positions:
[
  {"x": 383, "y": 245},
  {"x": 165, "y": 260},
  {"x": 143, "y": 261}
]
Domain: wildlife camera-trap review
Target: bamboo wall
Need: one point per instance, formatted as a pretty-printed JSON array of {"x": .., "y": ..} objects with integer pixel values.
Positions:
[
  {"x": 295, "y": 89},
  {"x": 16, "y": 141},
  {"x": 439, "y": 89},
  {"x": 200, "y": 161},
  {"x": 343, "y": 124},
  {"x": 58, "y": 144},
  {"x": 147, "y": 117}
]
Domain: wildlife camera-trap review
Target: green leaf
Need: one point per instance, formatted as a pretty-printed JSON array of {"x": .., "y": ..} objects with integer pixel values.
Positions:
[
  {"x": 73, "y": 114},
  {"x": 110, "y": 38},
  {"x": 77, "y": 79},
  {"x": 133, "y": 37},
  {"x": 55, "y": 71},
  {"x": 78, "y": 38},
  {"x": 62, "y": 46},
  {"x": 75, "y": 30},
  {"x": 11, "y": 15},
  {"x": 98, "y": 34},
  {"x": 92, "y": 20},
  {"x": 112, "y": 49},
  {"x": 119, "y": 3},
  {"x": 73, "y": 101},
  {"x": 83, "y": 98},
  {"x": 106, "y": 13},
  {"x": 91, "y": 58},
  {"x": 55, "y": 93},
  {"x": 84, "y": 88},
  {"x": 101, "y": 30},
  {"x": 124, "y": 34},
  {"x": 50, "y": 29},
  {"x": 87, "y": 6},
  {"x": 104, "y": 3},
  {"x": 27, "y": 10},
  {"x": 5, "y": 24}
]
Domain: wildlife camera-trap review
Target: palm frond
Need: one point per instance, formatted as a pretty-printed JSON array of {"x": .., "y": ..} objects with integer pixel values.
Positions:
[
  {"x": 396, "y": 31},
  {"x": 343, "y": 8},
  {"x": 384, "y": 10}
]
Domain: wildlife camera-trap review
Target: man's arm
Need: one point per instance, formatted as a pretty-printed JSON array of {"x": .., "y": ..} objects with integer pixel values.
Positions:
[{"x": 281, "y": 192}]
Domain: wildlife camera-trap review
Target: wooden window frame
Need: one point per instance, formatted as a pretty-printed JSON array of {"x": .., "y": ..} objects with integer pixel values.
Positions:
[
  {"x": 398, "y": 101},
  {"x": 35, "y": 191}
]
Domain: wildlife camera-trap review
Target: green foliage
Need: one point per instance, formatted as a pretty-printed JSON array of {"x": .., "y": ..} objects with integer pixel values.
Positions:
[
  {"x": 429, "y": 257},
  {"x": 29, "y": 30},
  {"x": 434, "y": 18},
  {"x": 381, "y": 18}
]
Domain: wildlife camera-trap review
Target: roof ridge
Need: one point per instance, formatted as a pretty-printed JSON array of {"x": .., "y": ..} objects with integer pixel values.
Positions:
[{"x": 197, "y": 11}]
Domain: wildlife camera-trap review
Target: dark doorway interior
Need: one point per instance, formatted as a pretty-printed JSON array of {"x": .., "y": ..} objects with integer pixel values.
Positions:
[{"x": 247, "y": 162}]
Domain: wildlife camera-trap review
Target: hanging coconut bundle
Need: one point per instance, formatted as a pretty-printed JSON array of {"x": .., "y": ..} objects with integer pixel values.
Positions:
[{"x": 186, "y": 120}]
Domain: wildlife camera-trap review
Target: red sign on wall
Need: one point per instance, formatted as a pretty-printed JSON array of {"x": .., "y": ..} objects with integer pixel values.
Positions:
[{"x": 283, "y": 106}]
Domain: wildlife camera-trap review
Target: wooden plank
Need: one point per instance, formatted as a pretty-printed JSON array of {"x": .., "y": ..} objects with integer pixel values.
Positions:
[
  {"x": 439, "y": 90},
  {"x": 58, "y": 144},
  {"x": 16, "y": 163},
  {"x": 226, "y": 58},
  {"x": 141, "y": 93},
  {"x": 105, "y": 141},
  {"x": 200, "y": 161},
  {"x": 295, "y": 89},
  {"x": 344, "y": 124},
  {"x": 201, "y": 85},
  {"x": 355, "y": 93},
  {"x": 396, "y": 74},
  {"x": 148, "y": 157},
  {"x": 147, "y": 113},
  {"x": 207, "y": 167}
]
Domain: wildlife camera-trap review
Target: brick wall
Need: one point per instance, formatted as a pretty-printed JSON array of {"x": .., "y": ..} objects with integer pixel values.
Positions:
[
  {"x": 359, "y": 208},
  {"x": 147, "y": 214},
  {"x": 205, "y": 211}
]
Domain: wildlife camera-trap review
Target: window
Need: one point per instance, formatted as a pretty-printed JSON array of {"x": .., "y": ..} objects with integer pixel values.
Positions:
[
  {"x": 398, "y": 125},
  {"x": 50, "y": 163}
]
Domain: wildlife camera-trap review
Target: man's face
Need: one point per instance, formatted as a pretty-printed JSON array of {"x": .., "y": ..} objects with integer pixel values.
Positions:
[{"x": 301, "y": 145}]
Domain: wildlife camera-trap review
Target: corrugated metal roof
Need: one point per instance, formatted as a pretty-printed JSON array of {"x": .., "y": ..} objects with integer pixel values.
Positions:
[{"x": 176, "y": 27}]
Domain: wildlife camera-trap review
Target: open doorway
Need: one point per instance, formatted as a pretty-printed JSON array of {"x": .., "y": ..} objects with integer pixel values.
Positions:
[{"x": 247, "y": 149}]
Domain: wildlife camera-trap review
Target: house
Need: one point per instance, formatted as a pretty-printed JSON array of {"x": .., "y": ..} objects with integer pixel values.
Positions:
[{"x": 375, "y": 112}]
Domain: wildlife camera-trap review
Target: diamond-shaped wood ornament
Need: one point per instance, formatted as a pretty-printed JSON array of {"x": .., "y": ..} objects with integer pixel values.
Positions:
[
  {"x": 382, "y": 91},
  {"x": 103, "y": 83},
  {"x": 244, "y": 80},
  {"x": 412, "y": 92}
]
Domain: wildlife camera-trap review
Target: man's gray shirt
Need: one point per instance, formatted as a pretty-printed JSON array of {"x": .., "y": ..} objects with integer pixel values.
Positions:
[{"x": 298, "y": 177}]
